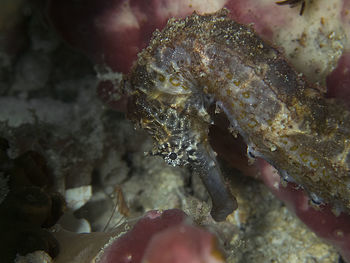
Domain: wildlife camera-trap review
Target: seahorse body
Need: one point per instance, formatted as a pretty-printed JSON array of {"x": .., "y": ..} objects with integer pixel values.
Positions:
[{"x": 204, "y": 60}]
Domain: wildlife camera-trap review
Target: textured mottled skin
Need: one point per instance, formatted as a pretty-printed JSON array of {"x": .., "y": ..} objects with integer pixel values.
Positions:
[{"x": 211, "y": 60}]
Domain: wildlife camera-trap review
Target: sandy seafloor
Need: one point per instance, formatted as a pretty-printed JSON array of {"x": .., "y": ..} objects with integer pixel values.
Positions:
[{"x": 49, "y": 104}]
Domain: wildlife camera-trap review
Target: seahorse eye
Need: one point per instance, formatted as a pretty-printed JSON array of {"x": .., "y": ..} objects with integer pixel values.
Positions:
[{"x": 173, "y": 156}]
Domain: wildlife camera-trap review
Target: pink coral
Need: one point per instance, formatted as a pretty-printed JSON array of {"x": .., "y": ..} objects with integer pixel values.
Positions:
[
  {"x": 183, "y": 243},
  {"x": 120, "y": 28},
  {"x": 338, "y": 82},
  {"x": 163, "y": 237}
]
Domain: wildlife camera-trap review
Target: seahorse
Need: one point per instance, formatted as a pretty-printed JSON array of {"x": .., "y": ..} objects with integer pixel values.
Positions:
[{"x": 210, "y": 60}]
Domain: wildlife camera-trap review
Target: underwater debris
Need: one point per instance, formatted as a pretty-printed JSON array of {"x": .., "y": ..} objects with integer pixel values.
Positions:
[{"x": 294, "y": 3}]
